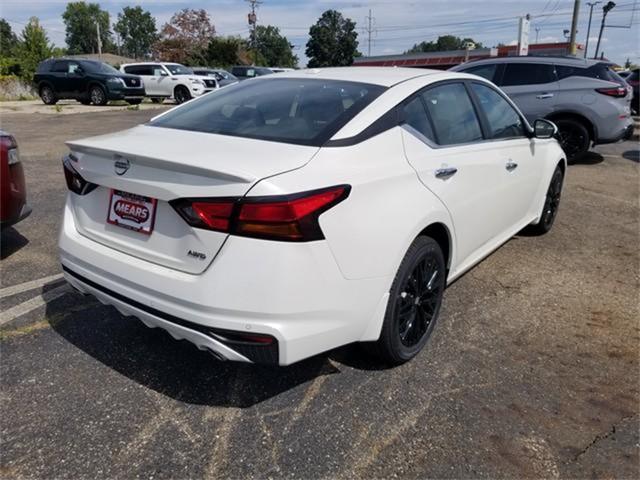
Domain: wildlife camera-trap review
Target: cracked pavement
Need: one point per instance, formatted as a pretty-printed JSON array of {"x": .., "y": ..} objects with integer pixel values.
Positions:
[{"x": 533, "y": 370}]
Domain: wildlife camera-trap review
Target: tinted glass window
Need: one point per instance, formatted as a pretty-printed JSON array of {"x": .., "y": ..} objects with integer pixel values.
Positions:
[
  {"x": 504, "y": 121},
  {"x": 302, "y": 111},
  {"x": 485, "y": 71},
  {"x": 527, "y": 74},
  {"x": 61, "y": 66},
  {"x": 158, "y": 71},
  {"x": 452, "y": 113},
  {"x": 73, "y": 66},
  {"x": 415, "y": 116}
]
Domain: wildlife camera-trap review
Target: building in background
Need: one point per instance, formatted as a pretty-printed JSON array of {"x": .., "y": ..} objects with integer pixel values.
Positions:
[{"x": 446, "y": 60}]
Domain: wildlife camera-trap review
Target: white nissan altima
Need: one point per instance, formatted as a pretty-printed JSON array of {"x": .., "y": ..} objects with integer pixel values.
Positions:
[{"x": 285, "y": 216}]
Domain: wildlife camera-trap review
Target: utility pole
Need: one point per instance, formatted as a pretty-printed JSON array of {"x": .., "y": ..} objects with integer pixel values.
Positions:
[
  {"x": 574, "y": 28},
  {"x": 605, "y": 10},
  {"x": 369, "y": 30},
  {"x": 99, "y": 39},
  {"x": 253, "y": 20},
  {"x": 586, "y": 45}
]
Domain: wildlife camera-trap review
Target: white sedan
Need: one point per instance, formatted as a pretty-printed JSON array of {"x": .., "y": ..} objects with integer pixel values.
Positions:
[{"x": 298, "y": 212}]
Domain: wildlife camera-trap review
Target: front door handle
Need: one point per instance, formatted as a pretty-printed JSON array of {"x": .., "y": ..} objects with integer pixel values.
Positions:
[
  {"x": 542, "y": 96},
  {"x": 446, "y": 172},
  {"x": 511, "y": 166}
]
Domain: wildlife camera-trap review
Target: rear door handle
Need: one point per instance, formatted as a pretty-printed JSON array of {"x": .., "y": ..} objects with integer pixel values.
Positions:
[
  {"x": 446, "y": 172},
  {"x": 542, "y": 96},
  {"x": 511, "y": 166}
]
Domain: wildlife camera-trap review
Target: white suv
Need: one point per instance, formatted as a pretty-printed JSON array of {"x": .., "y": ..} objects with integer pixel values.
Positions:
[{"x": 169, "y": 80}]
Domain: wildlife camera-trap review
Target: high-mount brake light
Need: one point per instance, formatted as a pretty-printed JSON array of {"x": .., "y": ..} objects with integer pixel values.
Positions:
[
  {"x": 75, "y": 182},
  {"x": 292, "y": 218}
]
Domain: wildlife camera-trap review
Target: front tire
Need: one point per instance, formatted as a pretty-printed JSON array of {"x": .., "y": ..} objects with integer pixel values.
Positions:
[
  {"x": 551, "y": 204},
  {"x": 97, "y": 95},
  {"x": 414, "y": 302},
  {"x": 48, "y": 96},
  {"x": 574, "y": 137},
  {"x": 181, "y": 94}
]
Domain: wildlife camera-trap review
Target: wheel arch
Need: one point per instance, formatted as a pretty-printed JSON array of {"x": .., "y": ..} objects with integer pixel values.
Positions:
[
  {"x": 579, "y": 117},
  {"x": 45, "y": 83},
  {"x": 442, "y": 235}
]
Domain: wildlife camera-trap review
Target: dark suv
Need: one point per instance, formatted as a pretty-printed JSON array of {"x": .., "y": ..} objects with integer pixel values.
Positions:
[{"x": 86, "y": 81}]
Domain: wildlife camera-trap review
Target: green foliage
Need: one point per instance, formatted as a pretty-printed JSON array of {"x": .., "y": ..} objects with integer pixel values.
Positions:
[
  {"x": 10, "y": 66},
  {"x": 333, "y": 41},
  {"x": 8, "y": 39},
  {"x": 80, "y": 19},
  {"x": 137, "y": 30},
  {"x": 33, "y": 48},
  {"x": 224, "y": 52},
  {"x": 274, "y": 49},
  {"x": 186, "y": 37},
  {"x": 443, "y": 44}
]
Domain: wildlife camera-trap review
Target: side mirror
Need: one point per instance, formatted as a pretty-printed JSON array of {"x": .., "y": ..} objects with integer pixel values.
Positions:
[
  {"x": 163, "y": 73},
  {"x": 544, "y": 128}
]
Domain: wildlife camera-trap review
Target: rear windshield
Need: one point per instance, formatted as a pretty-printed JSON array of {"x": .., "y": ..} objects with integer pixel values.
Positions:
[{"x": 290, "y": 110}]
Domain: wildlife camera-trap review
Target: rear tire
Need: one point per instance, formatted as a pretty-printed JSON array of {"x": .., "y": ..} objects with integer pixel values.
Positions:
[
  {"x": 181, "y": 94},
  {"x": 551, "y": 205},
  {"x": 414, "y": 303},
  {"x": 48, "y": 96},
  {"x": 97, "y": 95},
  {"x": 574, "y": 137}
]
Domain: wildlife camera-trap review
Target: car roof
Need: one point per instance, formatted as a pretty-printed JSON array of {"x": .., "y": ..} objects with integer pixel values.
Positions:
[
  {"x": 384, "y": 76},
  {"x": 568, "y": 61}
]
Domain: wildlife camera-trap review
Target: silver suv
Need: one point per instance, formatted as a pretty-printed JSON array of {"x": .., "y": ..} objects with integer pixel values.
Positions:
[{"x": 587, "y": 100}]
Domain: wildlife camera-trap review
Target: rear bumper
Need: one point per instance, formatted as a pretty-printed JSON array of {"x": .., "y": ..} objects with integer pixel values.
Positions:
[
  {"x": 624, "y": 134},
  {"x": 294, "y": 293},
  {"x": 24, "y": 212}
]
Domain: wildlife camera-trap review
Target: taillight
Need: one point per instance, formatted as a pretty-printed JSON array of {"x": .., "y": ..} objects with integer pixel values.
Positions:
[
  {"x": 292, "y": 218},
  {"x": 617, "y": 92},
  {"x": 75, "y": 182},
  {"x": 8, "y": 143}
]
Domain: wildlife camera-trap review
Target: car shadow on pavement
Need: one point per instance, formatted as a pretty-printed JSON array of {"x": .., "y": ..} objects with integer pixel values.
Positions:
[
  {"x": 633, "y": 155},
  {"x": 589, "y": 158},
  {"x": 177, "y": 369},
  {"x": 10, "y": 242}
]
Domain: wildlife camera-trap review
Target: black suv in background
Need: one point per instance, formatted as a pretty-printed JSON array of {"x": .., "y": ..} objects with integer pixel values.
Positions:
[{"x": 86, "y": 81}]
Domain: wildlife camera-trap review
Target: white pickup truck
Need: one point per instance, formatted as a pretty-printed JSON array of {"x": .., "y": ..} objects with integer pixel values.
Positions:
[{"x": 164, "y": 80}]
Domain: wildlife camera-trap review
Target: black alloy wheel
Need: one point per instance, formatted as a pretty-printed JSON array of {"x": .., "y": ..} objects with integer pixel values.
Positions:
[
  {"x": 551, "y": 205},
  {"x": 97, "y": 95},
  {"x": 414, "y": 302},
  {"x": 574, "y": 138},
  {"x": 181, "y": 94}
]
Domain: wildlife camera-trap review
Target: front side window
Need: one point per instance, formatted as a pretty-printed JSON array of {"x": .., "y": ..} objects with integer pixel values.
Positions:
[
  {"x": 527, "y": 74},
  {"x": 503, "y": 119},
  {"x": 158, "y": 71},
  {"x": 60, "y": 67},
  {"x": 484, "y": 71},
  {"x": 415, "y": 116},
  {"x": 73, "y": 67},
  {"x": 452, "y": 113},
  {"x": 301, "y": 111}
]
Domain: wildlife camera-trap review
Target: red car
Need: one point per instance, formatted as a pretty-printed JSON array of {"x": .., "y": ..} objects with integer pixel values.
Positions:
[{"x": 13, "y": 192}]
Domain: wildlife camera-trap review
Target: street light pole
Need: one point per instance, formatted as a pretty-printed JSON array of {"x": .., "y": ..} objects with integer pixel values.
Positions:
[
  {"x": 586, "y": 45},
  {"x": 574, "y": 28},
  {"x": 606, "y": 9}
]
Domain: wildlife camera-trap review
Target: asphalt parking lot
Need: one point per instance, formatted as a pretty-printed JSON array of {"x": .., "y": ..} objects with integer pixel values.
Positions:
[{"x": 533, "y": 370}]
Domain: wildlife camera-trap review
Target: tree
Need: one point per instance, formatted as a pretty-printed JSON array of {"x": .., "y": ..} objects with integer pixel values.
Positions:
[
  {"x": 80, "y": 19},
  {"x": 224, "y": 52},
  {"x": 33, "y": 48},
  {"x": 186, "y": 37},
  {"x": 273, "y": 48},
  {"x": 333, "y": 41},
  {"x": 137, "y": 30},
  {"x": 8, "y": 39},
  {"x": 442, "y": 44}
]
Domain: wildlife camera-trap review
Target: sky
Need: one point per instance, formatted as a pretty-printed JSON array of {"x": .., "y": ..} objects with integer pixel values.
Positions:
[{"x": 397, "y": 24}]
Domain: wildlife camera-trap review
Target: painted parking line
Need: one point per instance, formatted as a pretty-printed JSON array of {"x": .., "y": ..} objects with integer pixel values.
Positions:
[
  {"x": 34, "y": 303},
  {"x": 24, "y": 287}
]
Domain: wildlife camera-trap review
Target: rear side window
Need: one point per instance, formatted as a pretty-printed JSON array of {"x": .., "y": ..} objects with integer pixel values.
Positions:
[
  {"x": 504, "y": 121},
  {"x": 527, "y": 74},
  {"x": 454, "y": 118},
  {"x": 415, "y": 116},
  {"x": 600, "y": 71},
  {"x": 484, "y": 71},
  {"x": 139, "y": 70},
  {"x": 300, "y": 111},
  {"x": 61, "y": 66}
]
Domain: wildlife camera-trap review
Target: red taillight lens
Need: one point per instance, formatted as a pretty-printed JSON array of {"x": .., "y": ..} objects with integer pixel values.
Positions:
[
  {"x": 617, "y": 92},
  {"x": 288, "y": 218},
  {"x": 75, "y": 182}
]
